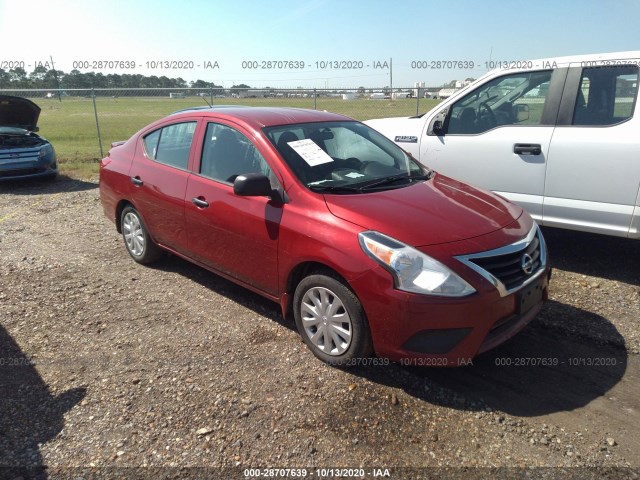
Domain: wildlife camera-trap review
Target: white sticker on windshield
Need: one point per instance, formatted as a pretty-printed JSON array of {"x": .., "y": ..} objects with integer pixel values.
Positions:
[
  {"x": 310, "y": 152},
  {"x": 354, "y": 175}
]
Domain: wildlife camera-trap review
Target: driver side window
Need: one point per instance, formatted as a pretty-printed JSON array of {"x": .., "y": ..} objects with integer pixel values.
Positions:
[
  {"x": 228, "y": 153},
  {"x": 516, "y": 99}
]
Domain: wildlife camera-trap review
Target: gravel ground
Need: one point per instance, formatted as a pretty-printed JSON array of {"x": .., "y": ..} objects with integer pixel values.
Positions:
[{"x": 108, "y": 364}]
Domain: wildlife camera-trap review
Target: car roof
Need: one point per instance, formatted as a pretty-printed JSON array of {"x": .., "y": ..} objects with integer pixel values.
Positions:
[
  {"x": 590, "y": 60},
  {"x": 259, "y": 117},
  {"x": 596, "y": 57},
  {"x": 593, "y": 59}
]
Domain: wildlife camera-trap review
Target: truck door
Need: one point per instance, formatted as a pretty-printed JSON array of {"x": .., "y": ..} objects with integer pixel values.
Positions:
[
  {"x": 594, "y": 167},
  {"x": 497, "y": 136}
]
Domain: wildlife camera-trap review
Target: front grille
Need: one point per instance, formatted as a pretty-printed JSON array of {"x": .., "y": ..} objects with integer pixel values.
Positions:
[
  {"x": 21, "y": 155},
  {"x": 508, "y": 267},
  {"x": 512, "y": 266}
]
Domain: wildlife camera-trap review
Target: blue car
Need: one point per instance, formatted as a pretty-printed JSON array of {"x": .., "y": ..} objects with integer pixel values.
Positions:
[{"x": 23, "y": 153}]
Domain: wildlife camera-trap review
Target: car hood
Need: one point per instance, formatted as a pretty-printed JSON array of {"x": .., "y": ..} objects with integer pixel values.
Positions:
[
  {"x": 400, "y": 129},
  {"x": 440, "y": 210},
  {"x": 18, "y": 112}
]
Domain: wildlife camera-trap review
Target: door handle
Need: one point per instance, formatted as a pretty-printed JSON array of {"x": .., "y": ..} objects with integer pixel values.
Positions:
[
  {"x": 527, "y": 149},
  {"x": 136, "y": 181},
  {"x": 198, "y": 202}
]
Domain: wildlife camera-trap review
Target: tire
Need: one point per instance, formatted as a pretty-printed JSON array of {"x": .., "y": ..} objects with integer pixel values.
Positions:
[
  {"x": 323, "y": 304},
  {"x": 136, "y": 238}
]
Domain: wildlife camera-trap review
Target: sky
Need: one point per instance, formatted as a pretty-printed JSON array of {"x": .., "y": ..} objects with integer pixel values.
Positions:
[{"x": 380, "y": 43}]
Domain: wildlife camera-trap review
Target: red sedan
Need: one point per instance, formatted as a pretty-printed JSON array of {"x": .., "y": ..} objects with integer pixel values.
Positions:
[{"x": 370, "y": 251}]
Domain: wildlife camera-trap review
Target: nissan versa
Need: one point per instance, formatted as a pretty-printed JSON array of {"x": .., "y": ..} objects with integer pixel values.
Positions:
[{"x": 370, "y": 251}]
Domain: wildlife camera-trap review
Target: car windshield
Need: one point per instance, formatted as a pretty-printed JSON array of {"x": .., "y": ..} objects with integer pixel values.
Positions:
[{"x": 344, "y": 157}]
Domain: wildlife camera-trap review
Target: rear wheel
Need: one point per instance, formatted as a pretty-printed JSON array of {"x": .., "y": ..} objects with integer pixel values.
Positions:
[
  {"x": 136, "y": 238},
  {"x": 331, "y": 320}
]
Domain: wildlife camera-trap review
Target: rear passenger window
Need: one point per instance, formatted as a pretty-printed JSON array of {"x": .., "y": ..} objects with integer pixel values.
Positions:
[
  {"x": 151, "y": 144},
  {"x": 171, "y": 144},
  {"x": 606, "y": 96}
]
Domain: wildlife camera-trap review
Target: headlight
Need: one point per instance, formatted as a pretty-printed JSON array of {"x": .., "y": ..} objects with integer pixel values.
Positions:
[
  {"x": 413, "y": 271},
  {"x": 45, "y": 151}
]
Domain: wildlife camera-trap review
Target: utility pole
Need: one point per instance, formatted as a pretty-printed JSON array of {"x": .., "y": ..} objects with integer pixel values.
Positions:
[
  {"x": 391, "y": 75},
  {"x": 55, "y": 74}
]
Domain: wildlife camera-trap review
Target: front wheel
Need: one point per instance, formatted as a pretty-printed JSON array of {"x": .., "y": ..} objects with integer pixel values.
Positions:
[
  {"x": 331, "y": 320},
  {"x": 136, "y": 238}
]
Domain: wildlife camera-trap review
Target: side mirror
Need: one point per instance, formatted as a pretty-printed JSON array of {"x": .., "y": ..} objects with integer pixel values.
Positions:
[
  {"x": 436, "y": 127},
  {"x": 252, "y": 185},
  {"x": 522, "y": 112}
]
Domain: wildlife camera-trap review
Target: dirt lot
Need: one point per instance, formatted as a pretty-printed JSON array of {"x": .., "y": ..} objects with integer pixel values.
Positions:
[{"x": 105, "y": 363}]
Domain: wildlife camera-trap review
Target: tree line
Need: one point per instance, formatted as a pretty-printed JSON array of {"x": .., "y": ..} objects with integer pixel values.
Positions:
[{"x": 41, "y": 78}]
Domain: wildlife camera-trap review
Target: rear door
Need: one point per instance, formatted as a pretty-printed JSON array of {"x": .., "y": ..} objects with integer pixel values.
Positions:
[
  {"x": 594, "y": 168},
  {"x": 497, "y": 136},
  {"x": 235, "y": 235}
]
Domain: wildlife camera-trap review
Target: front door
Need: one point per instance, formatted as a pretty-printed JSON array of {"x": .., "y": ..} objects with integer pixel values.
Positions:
[{"x": 235, "y": 235}]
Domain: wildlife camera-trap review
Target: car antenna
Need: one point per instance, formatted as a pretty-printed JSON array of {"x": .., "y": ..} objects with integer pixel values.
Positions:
[{"x": 205, "y": 101}]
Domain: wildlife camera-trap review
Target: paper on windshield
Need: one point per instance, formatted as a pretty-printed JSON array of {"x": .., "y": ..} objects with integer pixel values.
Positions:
[{"x": 310, "y": 152}]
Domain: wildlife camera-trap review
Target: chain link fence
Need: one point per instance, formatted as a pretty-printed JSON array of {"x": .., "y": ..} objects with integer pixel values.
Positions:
[{"x": 82, "y": 124}]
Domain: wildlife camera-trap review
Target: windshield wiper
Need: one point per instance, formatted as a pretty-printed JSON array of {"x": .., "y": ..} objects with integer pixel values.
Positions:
[
  {"x": 396, "y": 178},
  {"x": 334, "y": 188}
]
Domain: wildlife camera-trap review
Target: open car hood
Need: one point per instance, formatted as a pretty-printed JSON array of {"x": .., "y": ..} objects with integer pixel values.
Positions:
[{"x": 18, "y": 112}]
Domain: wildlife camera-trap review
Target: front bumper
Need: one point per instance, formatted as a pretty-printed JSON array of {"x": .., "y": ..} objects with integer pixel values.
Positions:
[
  {"x": 419, "y": 329},
  {"x": 37, "y": 168},
  {"x": 422, "y": 330}
]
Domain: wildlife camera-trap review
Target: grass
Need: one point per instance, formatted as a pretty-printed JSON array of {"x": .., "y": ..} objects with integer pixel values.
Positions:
[{"x": 70, "y": 125}]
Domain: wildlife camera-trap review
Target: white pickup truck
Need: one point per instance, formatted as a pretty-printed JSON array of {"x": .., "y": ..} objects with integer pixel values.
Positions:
[{"x": 560, "y": 137}]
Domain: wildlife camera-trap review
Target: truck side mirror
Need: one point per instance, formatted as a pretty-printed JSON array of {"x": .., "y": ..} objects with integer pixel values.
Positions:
[{"x": 436, "y": 127}]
